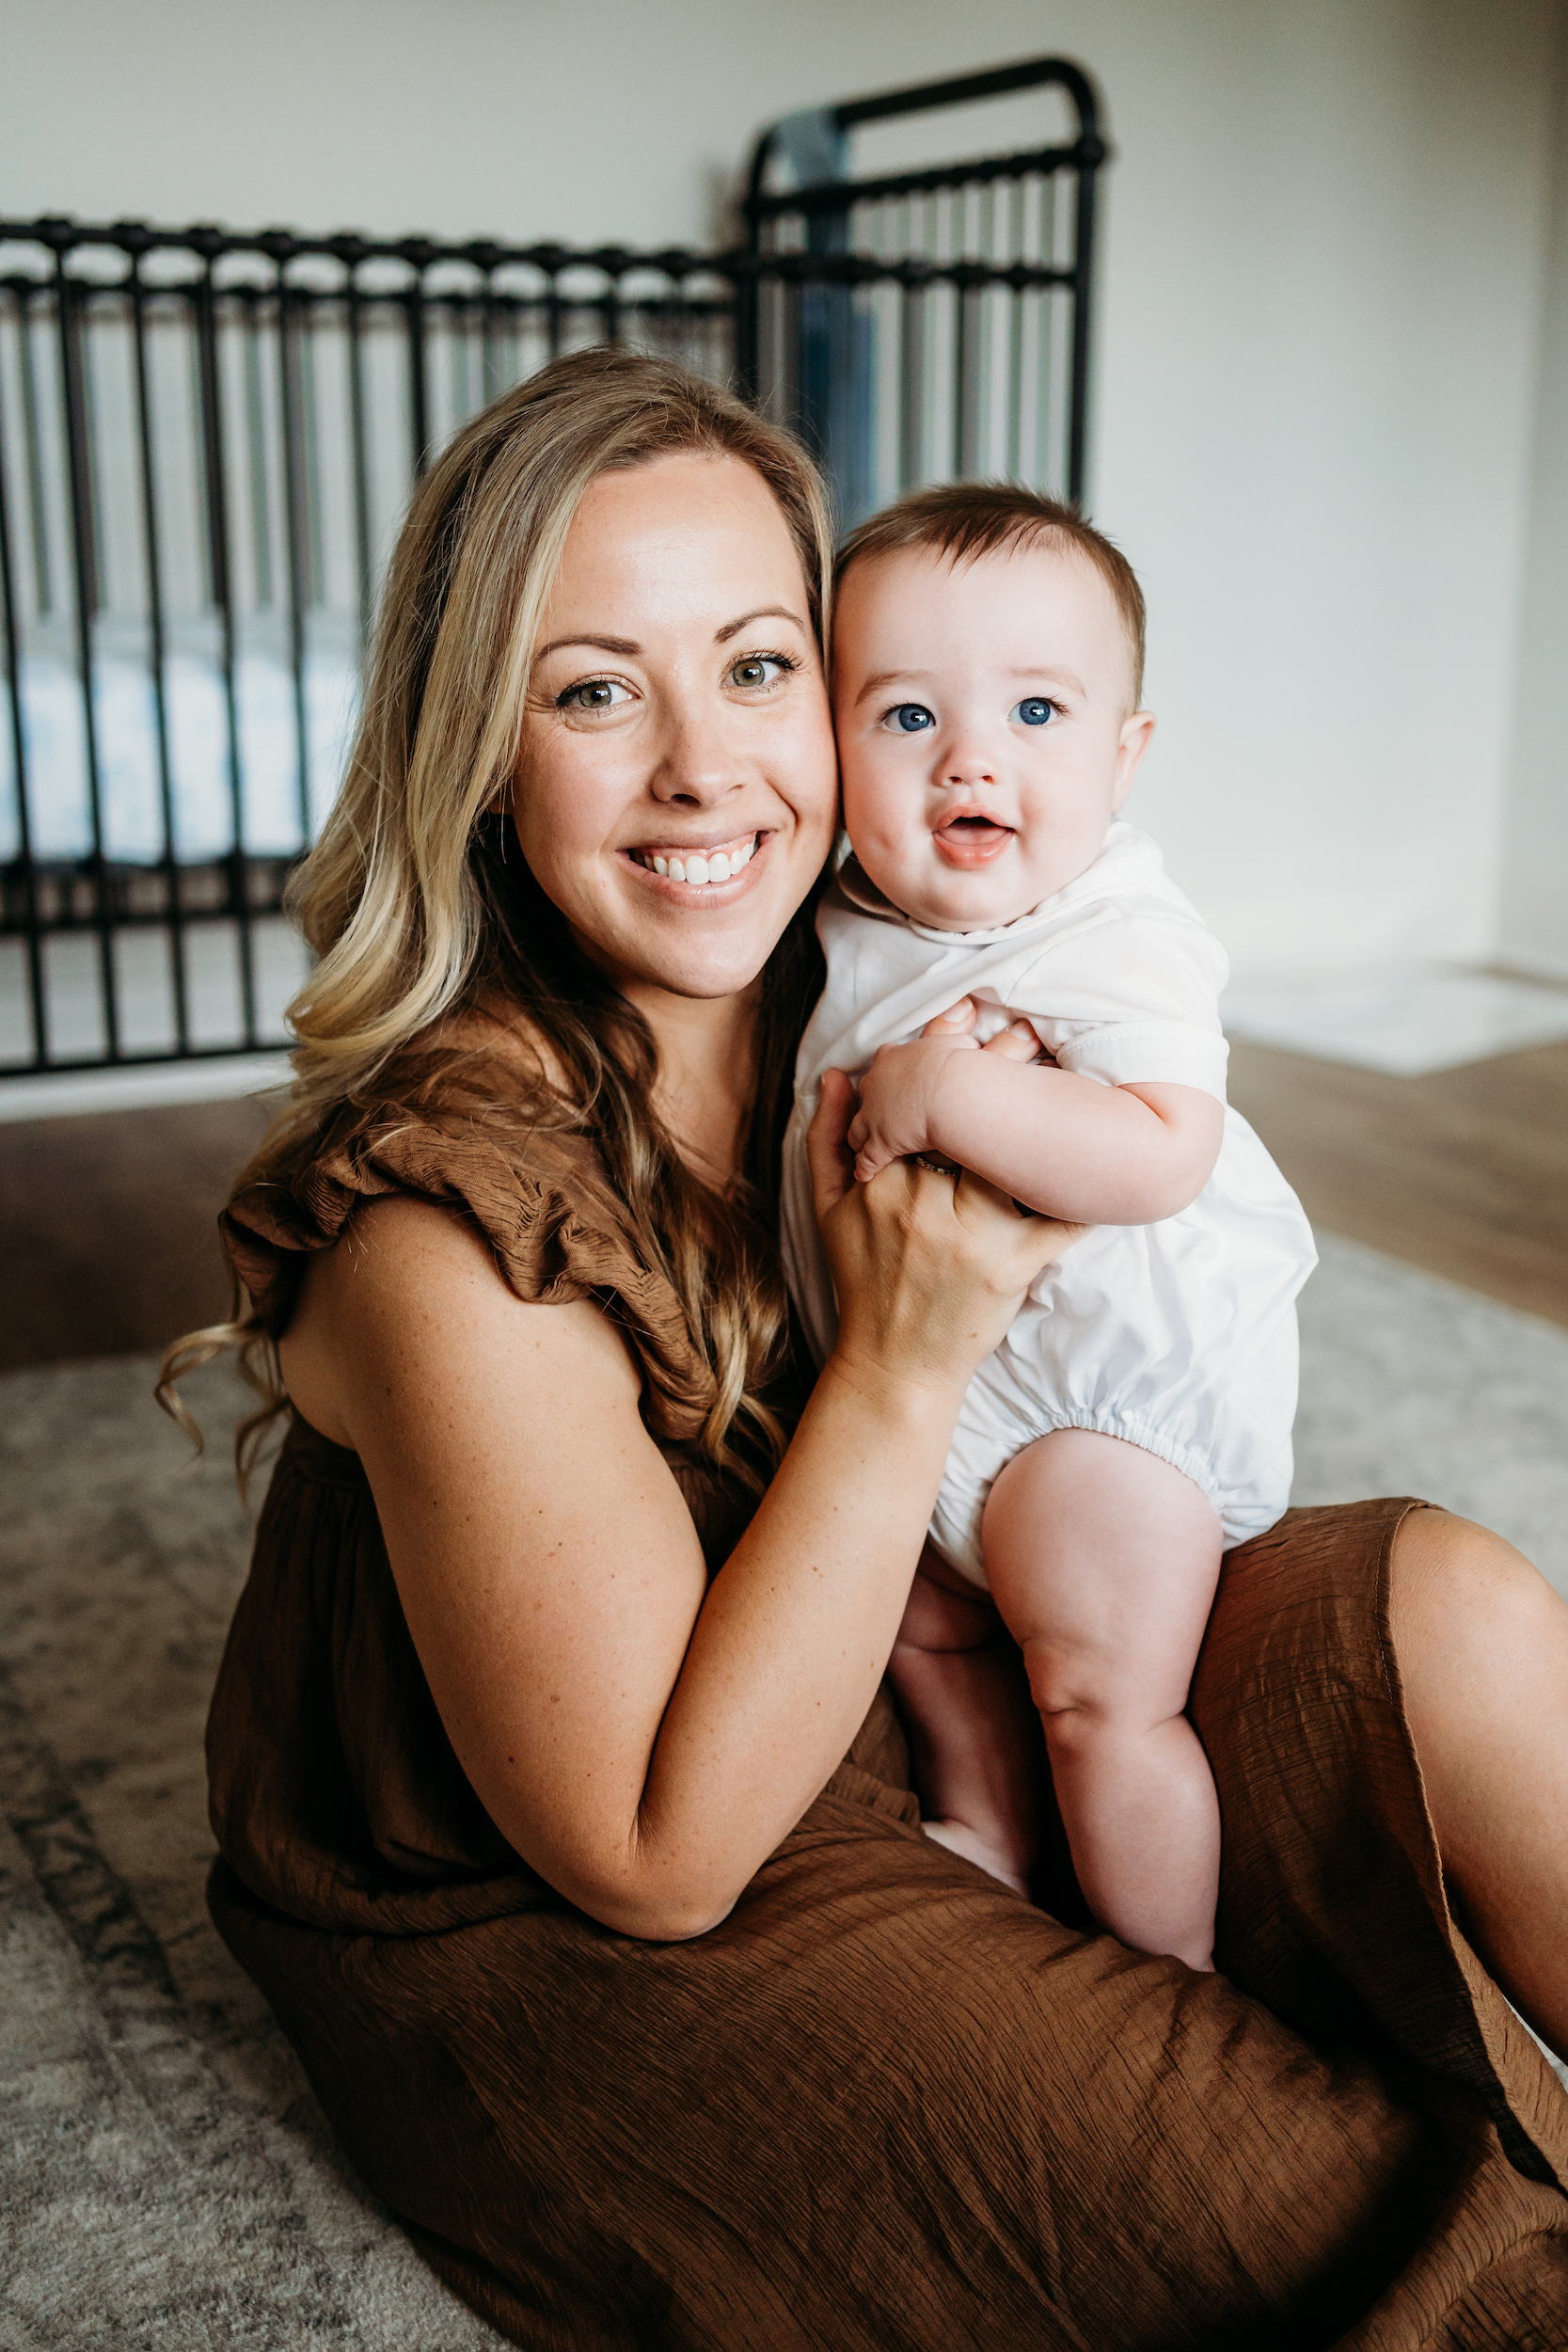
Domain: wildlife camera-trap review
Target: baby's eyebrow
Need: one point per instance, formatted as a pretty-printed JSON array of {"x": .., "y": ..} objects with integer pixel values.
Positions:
[
  {"x": 1041, "y": 672},
  {"x": 890, "y": 678}
]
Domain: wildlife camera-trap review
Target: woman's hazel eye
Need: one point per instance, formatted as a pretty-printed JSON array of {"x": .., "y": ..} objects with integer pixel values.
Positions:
[
  {"x": 757, "y": 669},
  {"x": 595, "y": 693},
  {"x": 912, "y": 718},
  {"x": 1032, "y": 711}
]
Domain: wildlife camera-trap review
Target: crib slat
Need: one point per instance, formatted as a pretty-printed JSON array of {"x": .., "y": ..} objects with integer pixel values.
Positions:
[
  {"x": 204, "y": 300},
  {"x": 152, "y": 573},
  {"x": 9, "y": 636},
  {"x": 68, "y": 319},
  {"x": 296, "y": 522},
  {"x": 419, "y": 388}
]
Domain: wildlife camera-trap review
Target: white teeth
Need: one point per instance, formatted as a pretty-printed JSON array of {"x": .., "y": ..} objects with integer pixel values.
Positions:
[{"x": 717, "y": 866}]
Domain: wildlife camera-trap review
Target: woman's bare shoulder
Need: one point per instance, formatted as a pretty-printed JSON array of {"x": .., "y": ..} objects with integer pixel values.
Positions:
[{"x": 412, "y": 1288}]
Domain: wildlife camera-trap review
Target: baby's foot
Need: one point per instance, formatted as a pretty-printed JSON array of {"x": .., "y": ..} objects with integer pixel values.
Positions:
[{"x": 959, "y": 1838}]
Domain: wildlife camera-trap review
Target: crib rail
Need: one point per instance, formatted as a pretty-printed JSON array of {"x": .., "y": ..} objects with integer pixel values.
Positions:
[
  {"x": 928, "y": 324},
  {"x": 207, "y": 438}
]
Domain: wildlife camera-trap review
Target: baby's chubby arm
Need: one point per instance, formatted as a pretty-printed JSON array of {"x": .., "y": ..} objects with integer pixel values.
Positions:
[{"x": 1065, "y": 1146}]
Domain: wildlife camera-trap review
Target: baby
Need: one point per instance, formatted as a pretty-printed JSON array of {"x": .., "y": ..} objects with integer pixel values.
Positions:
[{"x": 1136, "y": 1423}]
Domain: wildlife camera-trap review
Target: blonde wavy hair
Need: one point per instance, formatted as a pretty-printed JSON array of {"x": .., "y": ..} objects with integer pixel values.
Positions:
[{"x": 416, "y": 915}]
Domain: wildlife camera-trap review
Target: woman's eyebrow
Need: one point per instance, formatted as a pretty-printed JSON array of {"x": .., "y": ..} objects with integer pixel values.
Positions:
[
  {"x": 629, "y": 649},
  {"x": 763, "y": 612},
  {"x": 601, "y": 644}
]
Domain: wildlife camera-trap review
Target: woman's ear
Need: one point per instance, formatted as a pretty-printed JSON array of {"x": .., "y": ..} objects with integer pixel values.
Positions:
[{"x": 1133, "y": 744}]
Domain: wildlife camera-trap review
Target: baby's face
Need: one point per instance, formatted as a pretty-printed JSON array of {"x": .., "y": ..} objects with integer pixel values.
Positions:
[{"x": 986, "y": 732}]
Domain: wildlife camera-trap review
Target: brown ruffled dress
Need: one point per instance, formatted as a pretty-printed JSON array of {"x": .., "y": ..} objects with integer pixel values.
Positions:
[{"x": 886, "y": 2106}]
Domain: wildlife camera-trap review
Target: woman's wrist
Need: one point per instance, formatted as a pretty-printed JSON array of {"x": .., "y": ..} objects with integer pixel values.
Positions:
[{"x": 914, "y": 1399}]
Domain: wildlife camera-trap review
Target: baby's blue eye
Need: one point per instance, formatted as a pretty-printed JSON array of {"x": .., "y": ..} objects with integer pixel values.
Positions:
[
  {"x": 912, "y": 718},
  {"x": 1032, "y": 711}
]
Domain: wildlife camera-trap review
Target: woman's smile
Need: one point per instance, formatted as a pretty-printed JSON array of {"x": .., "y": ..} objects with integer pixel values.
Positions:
[{"x": 700, "y": 865}]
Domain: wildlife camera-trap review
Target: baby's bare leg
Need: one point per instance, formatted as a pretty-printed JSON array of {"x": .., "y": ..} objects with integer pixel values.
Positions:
[
  {"x": 972, "y": 1727},
  {"x": 1104, "y": 1561}
]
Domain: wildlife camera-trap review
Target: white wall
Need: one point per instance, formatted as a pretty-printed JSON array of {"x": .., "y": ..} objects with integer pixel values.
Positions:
[
  {"x": 1317, "y": 367},
  {"x": 1532, "y": 930}
]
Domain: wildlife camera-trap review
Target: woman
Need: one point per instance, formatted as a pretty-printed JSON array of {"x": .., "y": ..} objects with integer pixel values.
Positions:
[{"x": 563, "y": 1822}]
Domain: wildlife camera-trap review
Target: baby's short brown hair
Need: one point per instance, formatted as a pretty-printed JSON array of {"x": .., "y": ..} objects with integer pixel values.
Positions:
[{"x": 965, "y": 520}]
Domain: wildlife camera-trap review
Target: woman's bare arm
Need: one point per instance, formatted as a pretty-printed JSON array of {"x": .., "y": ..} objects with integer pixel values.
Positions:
[
  {"x": 1481, "y": 1642},
  {"x": 645, "y": 1748}
]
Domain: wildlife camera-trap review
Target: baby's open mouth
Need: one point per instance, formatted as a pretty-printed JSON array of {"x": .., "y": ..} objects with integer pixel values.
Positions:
[
  {"x": 717, "y": 863},
  {"x": 971, "y": 839}
]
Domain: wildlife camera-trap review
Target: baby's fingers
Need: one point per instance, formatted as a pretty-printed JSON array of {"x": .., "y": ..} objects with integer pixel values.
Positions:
[
  {"x": 871, "y": 1162},
  {"x": 955, "y": 1022},
  {"x": 871, "y": 1152},
  {"x": 1017, "y": 1043}
]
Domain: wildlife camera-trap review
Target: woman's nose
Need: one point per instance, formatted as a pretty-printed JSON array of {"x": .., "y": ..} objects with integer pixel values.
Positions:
[{"x": 697, "y": 763}]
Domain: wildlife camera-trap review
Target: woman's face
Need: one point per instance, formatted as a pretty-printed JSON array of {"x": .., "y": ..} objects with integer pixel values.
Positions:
[{"x": 676, "y": 728}]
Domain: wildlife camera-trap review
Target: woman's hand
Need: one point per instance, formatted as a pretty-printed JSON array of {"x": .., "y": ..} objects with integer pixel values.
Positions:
[{"x": 929, "y": 1268}]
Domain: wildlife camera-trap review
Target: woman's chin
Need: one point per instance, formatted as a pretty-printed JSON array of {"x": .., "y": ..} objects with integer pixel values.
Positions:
[
  {"x": 701, "y": 957},
  {"x": 706, "y": 969},
  {"x": 695, "y": 945}
]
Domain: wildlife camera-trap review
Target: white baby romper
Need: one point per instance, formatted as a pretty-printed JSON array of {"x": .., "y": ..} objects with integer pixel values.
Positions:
[{"x": 1179, "y": 1337}]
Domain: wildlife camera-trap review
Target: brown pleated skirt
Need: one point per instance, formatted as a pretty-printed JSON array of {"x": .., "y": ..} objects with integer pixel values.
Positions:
[{"x": 886, "y": 2105}]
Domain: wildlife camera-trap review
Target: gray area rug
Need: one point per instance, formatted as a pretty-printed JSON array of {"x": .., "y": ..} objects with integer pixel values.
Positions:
[{"x": 167, "y": 2178}]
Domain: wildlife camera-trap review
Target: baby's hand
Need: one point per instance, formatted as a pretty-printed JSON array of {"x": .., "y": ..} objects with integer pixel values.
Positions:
[{"x": 898, "y": 1091}]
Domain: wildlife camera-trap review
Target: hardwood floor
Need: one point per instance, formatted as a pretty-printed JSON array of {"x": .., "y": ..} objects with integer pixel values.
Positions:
[
  {"x": 106, "y": 1240},
  {"x": 107, "y": 1243},
  {"x": 1464, "y": 1172}
]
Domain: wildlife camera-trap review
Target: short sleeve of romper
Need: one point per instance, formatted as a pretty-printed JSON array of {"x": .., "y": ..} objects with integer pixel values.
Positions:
[
  {"x": 885, "y": 2106},
  {"x": 1131, "y": 997}
]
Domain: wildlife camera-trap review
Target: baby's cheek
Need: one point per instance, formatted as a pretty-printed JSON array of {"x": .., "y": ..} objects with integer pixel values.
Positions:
[
  {"x": 877, "y": 808},
  {"x": 891, "y": 854}
]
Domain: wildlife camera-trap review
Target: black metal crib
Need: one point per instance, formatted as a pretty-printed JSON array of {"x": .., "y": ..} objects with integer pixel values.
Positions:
[{"x": 206, "y": 438}]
